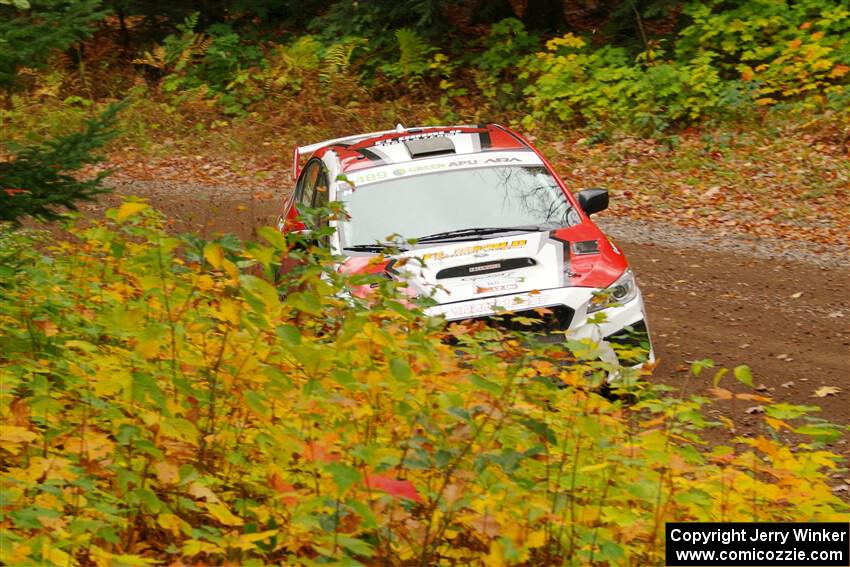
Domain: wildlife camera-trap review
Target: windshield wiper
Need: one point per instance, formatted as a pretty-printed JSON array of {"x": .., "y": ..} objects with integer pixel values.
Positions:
[
  {"x": 375, "y": 247},
  {"x": 477, "y": 232}
]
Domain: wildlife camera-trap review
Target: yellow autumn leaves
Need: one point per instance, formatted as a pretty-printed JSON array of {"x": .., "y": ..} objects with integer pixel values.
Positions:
[{"x": 172, "y": 405}]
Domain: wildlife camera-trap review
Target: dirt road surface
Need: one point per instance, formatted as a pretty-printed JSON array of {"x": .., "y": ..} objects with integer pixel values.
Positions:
[{"x": 780, "y": 307}]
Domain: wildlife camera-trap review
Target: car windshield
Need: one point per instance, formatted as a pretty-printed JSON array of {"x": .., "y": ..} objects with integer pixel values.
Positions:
[{"x": 450, "y": 201}]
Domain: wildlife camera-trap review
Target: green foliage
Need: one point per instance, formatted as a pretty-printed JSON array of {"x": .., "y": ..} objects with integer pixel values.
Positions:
[
  {"x": 378, "y": 18},
  {"x": 787, "y": 49},
  {"x": 41, "y": 177},
  {"x": 506, "y": 48},
  {"x": 289, "y": 65},
  {"x": 219, "y": 64},
  {"x": 603, "y": 85},
  {"x": 29, "y": 31},
  {"x": 338, "y": 56},
  {"x": 643, "y": 68},
  {"x": 214, "y": 61},
  {"x": 723, "y": 64},
  {"x": 414, "y": 55},
  {"x": 162, "y": 402}
]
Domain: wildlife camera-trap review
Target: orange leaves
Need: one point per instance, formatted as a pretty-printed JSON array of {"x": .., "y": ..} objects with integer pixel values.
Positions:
[
  {"x": 724, "y": 394},
  {"x": 90, "y": 444},
  {"x": 321, "y": 452},
  {"x": 287, "y": 491},
  {"x": 838, "y": 71},
  {"x": 394, "y": 487},
  {"x": 721, "y": 393},
  {"x": 166, "y": 472},
  {"x": 777, "y": 424},
  {"x": 49, "y": 328},
  {"x": 19, "y": 412}
]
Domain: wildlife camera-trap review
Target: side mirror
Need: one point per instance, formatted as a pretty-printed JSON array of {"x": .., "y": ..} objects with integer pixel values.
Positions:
[{"x": 593, "y": 200}]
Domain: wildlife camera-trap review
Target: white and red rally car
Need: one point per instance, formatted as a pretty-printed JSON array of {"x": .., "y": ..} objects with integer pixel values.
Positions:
[{"x": 495, "y": 228}]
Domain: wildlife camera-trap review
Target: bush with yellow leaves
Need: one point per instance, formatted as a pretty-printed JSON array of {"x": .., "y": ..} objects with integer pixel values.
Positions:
[{"x": 163, "y": 404}]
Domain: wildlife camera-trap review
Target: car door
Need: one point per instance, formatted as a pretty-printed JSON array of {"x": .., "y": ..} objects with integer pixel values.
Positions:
[{"x": 311, "y": 191}]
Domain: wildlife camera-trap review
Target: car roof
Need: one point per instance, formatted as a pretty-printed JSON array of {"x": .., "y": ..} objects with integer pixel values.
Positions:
[{"x": 407, "y": 144}]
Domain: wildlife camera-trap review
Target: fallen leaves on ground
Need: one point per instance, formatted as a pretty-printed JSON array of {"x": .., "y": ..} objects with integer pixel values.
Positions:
[
  {"x": 744, "y": 184},
  {"x": 825, "y": 391}
]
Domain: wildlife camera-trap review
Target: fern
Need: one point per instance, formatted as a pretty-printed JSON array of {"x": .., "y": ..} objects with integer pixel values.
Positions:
[
  {"x": 176, "y": 53},
  {"x": 414, "y": 53},
  {"x": 197, "y": 46},
  {"x": 338, "y": 55},
  {"x": 156, "y": 58},
  {"x": 303, "y": 55},
  {"x": 189, "y": 24}
]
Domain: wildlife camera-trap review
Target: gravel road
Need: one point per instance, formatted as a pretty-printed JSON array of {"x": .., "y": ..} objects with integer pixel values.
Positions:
[{"x": 779, "y": 306}]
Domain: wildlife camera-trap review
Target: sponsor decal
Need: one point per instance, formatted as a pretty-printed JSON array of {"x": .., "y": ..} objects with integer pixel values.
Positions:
[
  {"x": 493, "y": 280},
  {"x": 485, "y": 284},
  {"x": 398, "y": 172},
  {"x": 371, "y": 177},
  {"x": 472, "y": 250},
  {"x": 495, "y": 288},
  {"x": 389, "y": 171},
  {"x": 422, "y": 136},
  {"x": 421, "y": 168},
  {"x": 494, "y": 266},
  {"x": 485, "y": 308}
]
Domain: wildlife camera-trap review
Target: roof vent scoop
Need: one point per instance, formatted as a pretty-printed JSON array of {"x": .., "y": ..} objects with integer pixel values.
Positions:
[{"x": 427, "y": 147}]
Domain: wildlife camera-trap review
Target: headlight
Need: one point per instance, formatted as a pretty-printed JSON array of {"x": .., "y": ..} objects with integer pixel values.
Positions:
[{"x": 621, "y": 291}]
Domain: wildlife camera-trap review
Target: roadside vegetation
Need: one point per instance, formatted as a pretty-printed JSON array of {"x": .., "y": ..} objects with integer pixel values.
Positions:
[
  {"x": 167, "y": 405},
  {"x": 162, "y": 403}
]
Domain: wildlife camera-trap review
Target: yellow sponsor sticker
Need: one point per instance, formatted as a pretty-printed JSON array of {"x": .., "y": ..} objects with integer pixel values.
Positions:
[{"x": 470, "y": 250}]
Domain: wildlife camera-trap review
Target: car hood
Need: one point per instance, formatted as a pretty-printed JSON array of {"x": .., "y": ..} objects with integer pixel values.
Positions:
[
  {"x": 459, "y": 271},
  {"x": 520, "y": 263}
]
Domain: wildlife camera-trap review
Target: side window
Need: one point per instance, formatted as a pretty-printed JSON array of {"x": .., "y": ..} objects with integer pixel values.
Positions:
[
  {"x": 320, "y": 197},
  {"x": 307, "y": 184}
]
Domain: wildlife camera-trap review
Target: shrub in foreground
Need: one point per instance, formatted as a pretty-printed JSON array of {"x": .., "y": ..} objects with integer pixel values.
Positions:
[
  {"x": 40, "y": 179},
  {"x": 161, "y": 403}
]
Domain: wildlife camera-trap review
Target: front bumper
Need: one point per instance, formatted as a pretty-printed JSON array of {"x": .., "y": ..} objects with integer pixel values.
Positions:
[{"x": 624, "y": 325}]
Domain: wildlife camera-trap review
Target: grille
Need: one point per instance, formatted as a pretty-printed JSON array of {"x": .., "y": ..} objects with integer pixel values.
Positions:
[
  {"x": 485, "y": 268},
  {"x": 557, "y": 321}
]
